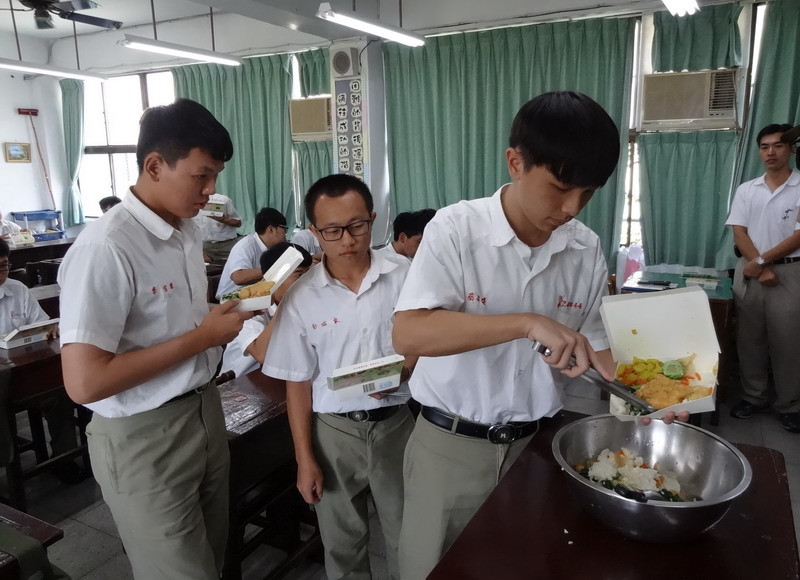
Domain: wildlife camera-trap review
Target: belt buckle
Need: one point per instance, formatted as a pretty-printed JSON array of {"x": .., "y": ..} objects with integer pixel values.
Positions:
[
  {"x": 501, "y": 433},
  {"x": 358, "y": 416}
]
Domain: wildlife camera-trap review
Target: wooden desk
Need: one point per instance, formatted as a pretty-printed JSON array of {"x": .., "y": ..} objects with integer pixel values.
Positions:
[
  {"x": 43, "y": 532},
  {"x": 519, "y": 530},
  {"x": 40, "y": 251},
  {"x": 263, "y": 473},
  {"x": 35, "y": 373}
]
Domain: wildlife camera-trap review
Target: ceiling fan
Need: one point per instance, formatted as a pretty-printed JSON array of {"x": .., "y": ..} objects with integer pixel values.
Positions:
[{"x": 43, "y": 9}]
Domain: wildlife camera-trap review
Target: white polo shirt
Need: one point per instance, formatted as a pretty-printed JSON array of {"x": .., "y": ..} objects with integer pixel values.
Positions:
[
  {"x": 322, "y": 325},
  {"x": 235, "y": 358},
  {"x": 388, "y": 251},
  {"x": 245, "y": 254},
  {"x": 214, "y": 231},
  {"x": 769, "y": 216},
  {"x": 307, "y": 240},
  {"x": 131, "y": 281},
  {"x": 471, "y": 261},
  {"x": 18, "y": 307},
  {"x": 8, "y": 227}
]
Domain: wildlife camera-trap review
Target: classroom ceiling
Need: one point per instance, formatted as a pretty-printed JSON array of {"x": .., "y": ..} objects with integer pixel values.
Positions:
[{"x": 299, "y": 15}]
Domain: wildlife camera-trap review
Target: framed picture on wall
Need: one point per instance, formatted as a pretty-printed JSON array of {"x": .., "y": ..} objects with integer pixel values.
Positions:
[{"x": 17, "y": 152}]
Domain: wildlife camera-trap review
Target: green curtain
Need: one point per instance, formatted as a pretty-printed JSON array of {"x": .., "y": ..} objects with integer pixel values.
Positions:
[
  {"x": 450, "y": 104},
  {"x": 315, "y": 76},
  {"x": 708, "y": 39},
  {"x": 685, "y": 179},
  {"x": 776, "y": 98},
  {"x": 314, "y": 160},
  {"x": 72, "y": 109},
  {"x": 252, "y": 102}
]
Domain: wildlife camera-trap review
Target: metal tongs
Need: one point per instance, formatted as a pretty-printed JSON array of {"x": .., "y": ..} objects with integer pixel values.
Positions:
[{"x": 617, "y": 388}]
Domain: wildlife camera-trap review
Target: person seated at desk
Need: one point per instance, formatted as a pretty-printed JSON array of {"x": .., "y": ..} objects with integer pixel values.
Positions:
[
  {"x": 8, "y": 227},
  {"x": 246, "y": 352},
  {"x": 243, "y": 264},
  {"x": 18, "y": 308},
  {"x": 408, "y": 227},
  {"x": 108, "y": 202},
  {"x": 306, "y": 239},
  {"x": 219, "y": 232}
]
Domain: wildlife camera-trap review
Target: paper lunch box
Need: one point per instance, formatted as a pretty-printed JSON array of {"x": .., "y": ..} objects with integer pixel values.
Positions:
[
  {"x": 278, "y": 273},
  {"x": 214, "y": 209},
  {"x": 367, "y": 378},
  {"x": 667, "y": 325},
  {"x": 28, "y": 334}
]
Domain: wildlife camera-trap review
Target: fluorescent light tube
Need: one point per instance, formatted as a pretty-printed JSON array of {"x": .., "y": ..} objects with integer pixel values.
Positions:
[
  {"x": 53, "y": 71},
  {"x": 370, "y": 26},
  {"x": 681, "y": 7},
  {"x": 160, "y": 47}
]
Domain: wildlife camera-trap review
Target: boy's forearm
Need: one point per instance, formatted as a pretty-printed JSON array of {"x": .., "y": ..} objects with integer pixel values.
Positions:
[{"x": 299, "y": 411}]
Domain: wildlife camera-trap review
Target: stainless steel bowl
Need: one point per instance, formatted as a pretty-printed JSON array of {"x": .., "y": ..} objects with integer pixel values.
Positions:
[{"x": 706, "y": 466}]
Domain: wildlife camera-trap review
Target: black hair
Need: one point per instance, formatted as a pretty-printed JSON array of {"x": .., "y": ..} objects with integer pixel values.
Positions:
[
  {"x": 271, "y": 256},
  {"x": 772, "y": 129},
  {"x": 268, "y": 216},
  {"x": 109, "y": 202},
  {"x": 5, "y": 249},
  {"x": 336, "y": 185},
  {"x": 569, "y": 134},
  {"x": 412, "y": 223},
  {"x": 174, "y": 130}
]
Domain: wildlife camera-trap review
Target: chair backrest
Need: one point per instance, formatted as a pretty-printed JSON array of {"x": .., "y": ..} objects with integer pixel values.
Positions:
[
  {"x": 213, "y": 284},
  {"x": 21, "y": 275}
]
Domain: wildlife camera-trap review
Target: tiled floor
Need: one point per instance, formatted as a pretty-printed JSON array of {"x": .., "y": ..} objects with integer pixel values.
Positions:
[{"x": 91, "y": 548}]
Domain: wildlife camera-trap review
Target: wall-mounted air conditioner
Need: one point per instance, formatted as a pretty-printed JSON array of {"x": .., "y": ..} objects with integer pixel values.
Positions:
[
  {"x": 310, "y": 119},
  {"x": 691, "y": 101}
]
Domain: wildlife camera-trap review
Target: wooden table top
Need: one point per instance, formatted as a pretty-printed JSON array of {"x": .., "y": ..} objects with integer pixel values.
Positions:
[
  {"x": 45, "y": 533},
  {"x": 251, "y": 400},
  {"x": 519, "y": 532}
]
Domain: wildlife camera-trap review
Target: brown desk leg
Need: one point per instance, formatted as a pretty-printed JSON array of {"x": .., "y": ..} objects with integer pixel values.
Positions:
[
  {"x": 37, "y": 434},
  {"x": 16, "y": 483}
]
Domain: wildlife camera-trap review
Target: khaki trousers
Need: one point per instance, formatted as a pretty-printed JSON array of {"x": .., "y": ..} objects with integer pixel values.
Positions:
[
  {"x": 164, "y": 475},
  {"x": 356, "y": 459},
  {"x": 218, "y": 251},
  {"x": 447, "y": 478},
  {"x": 768, "y": 337}
]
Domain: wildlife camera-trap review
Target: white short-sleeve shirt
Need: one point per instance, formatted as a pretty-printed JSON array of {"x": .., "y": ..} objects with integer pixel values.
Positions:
[
  {"x": 388, "y": 251},
  {"x": 307, "y": 240},
  {"x": 18, "y": 307},
  {"x": 8, "y": 227},
  {"x": 245, "y": 255},
  {"x": 235, "y": 358},
  {"x": 131, "y": 281},
  {"x": 214, "y": 231},
  {"x": 769, "y": 216},
  {"x": 322, "y": 325},
  {"x": 471, "y": 261}
]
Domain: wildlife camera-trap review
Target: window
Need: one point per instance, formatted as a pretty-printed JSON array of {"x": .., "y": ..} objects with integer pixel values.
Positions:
[{"x": 111, "y": 129}]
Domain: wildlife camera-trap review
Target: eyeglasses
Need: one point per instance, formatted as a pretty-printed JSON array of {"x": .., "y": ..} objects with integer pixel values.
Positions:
[
  {"x": 355, "y": 229},
  {"x": 285, "y": 228},
  {"x": 5, "y": 267}
]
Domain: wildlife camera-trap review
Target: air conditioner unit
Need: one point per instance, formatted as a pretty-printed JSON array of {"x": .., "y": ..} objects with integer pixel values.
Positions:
[
  {"x": 691, "y": 101},
  {"x": 345, "y": 62},
  {"x": 310, "y": 119}
]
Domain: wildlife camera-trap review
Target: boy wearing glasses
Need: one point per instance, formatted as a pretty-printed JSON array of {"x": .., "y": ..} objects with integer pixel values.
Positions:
[
  {"x": 242, "y": 266},
  {"x": 340, "y": 314}
]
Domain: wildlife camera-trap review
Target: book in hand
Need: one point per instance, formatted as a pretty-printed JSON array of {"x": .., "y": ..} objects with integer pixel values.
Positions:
[
  {"x": 28, "y": 334},
  {"x": 367, "y": 378}
]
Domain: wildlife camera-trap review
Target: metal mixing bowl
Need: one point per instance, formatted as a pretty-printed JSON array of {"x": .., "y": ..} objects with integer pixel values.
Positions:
[{"x": 706, "y": 467}]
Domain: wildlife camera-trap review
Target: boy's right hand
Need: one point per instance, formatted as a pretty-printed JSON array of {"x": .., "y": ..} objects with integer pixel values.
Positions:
[
  {"x": 222, "y": 324},
  {"x": 564, "y": 343},
  {"x": 309, "y": 481}
]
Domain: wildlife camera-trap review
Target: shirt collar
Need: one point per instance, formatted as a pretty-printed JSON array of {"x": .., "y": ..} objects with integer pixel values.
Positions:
[
  {"x": 149, "y": 219},
  {"x": 794, "y": 179},
  {"x": 320, "y": 277},
  {"x": 502, "y": 233}
]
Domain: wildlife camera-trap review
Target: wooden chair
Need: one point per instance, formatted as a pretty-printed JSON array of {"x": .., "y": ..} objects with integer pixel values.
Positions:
[{"x": 213, "y": 284}]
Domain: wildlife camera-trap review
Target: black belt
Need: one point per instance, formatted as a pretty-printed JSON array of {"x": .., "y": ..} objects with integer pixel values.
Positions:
[
  {"x": 378, "y": 414},
  {"x": 785, "y": 261},
  {"x": 189, "y": 393},
  {"x": 497, "y": 433}
]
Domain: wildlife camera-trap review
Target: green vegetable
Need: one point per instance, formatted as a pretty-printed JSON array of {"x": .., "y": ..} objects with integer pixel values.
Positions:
[{"x": 672, "y": 369}]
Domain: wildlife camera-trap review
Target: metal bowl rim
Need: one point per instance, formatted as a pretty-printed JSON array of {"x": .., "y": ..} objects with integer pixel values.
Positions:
[{"x": 569, "y": 470}]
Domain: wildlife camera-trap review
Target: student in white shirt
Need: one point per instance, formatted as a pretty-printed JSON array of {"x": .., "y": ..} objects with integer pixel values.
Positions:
[
  {"x": 219, "y": 232},
  {"x": 108, "y": 202},
  {"x": 242, "y": 266},
  {"x": 19, "y": 308},
  {"x": 140, "y": 347},
  {"x": 8, "y": 227},
  {"x": 308, "y": 240},
  {"x": 491, "y": 276},
  {"x": 340, "y": 314},
  {"x": 246, "y": 353},
  {"x": 408, "y": 228}
]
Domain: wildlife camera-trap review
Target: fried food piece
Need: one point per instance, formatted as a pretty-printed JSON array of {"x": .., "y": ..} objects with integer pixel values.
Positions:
[
  {"x": 699, "y": 392},
  {"x": 662, "y": 392},
  {"x": 260, "y": 288}
]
